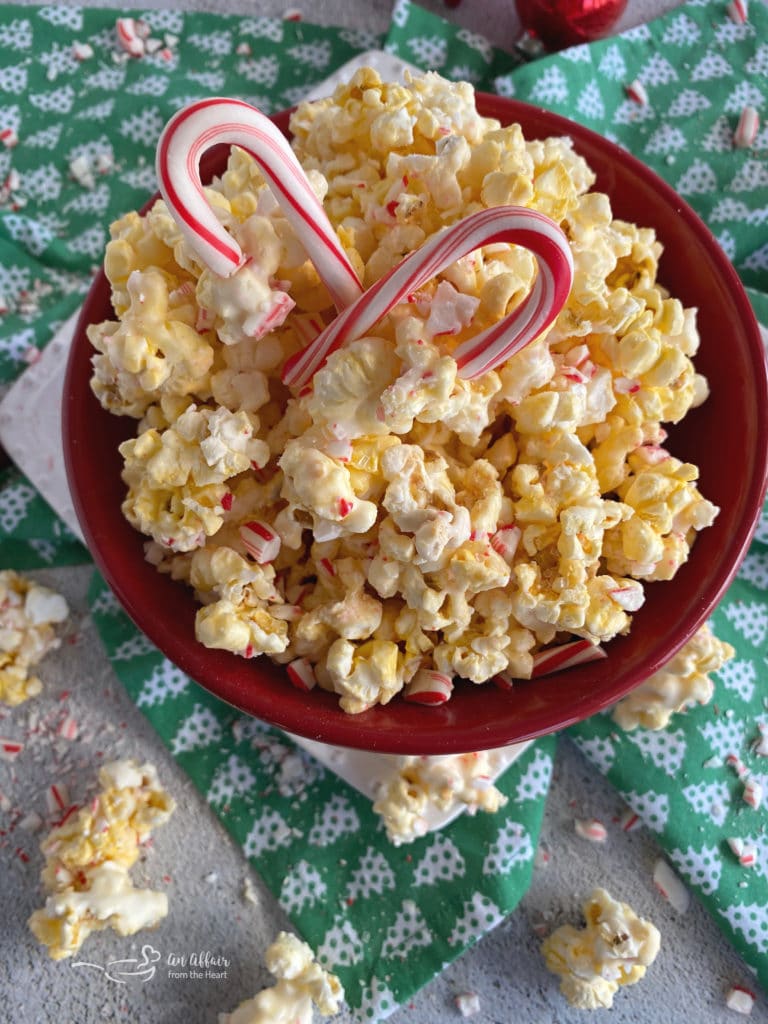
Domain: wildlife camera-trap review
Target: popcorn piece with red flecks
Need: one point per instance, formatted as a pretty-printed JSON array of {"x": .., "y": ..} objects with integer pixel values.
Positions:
[
  {"x": 88, "y": 860},
  {"x": 418, "y": 784},
  {"x": 241, "y": 603},
  {"x": 681, "y": 683},
  {"x": 176, "y": 477},
  {"x": 614, "y": 949},
  {"x": 29, "y": 613},
  {"x": 321, "y": 486},
  {"x": 301, "y": 984},
  {"x": 246, "y": 305}
]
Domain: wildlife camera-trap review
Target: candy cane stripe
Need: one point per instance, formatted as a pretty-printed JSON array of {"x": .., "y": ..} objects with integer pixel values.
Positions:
[
  {"x": 554, "y": 659},
  {"x": 501, "y": 224},
  {"x": 197, "y": 128}
]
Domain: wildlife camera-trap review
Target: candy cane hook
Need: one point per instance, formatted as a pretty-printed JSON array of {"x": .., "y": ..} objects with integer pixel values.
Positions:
[
  {"x": 196, "y": 128},
  {"x": 491, "y": 347}
]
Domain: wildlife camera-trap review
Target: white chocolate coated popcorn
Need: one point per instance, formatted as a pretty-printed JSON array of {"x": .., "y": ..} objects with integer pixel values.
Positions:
[
  {"x": 28, "y": 614},
  {"x": 414, "y": 520},
  {"x": 614, "y": 949},
  {"x": 438, "y": 782},
  {"x": 300, "y": 984},
  {"x": 88, "y": 859},
  {"x": 682, "y": 682}
]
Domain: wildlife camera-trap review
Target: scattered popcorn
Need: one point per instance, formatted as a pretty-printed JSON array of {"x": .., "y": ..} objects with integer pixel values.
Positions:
[
  {"x": 28, "y": 614},
  {"x": 418, "y": 784},
  {"x": 614, "y": 949},
  {"x": 301, "y": 984},
  {"x": 88, "y": 856},
  {"x": 681, "y": 683},
  {"x": 392, "y": 524},
  {"x": 740, "y": 1000},
  {"x": 670, "y": 886}
]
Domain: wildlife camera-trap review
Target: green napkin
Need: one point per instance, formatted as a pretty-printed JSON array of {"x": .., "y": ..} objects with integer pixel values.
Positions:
[{"x": 388, "y": 919}]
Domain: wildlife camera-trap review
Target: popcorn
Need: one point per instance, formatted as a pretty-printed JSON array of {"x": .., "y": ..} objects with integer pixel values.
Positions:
[
  {"x": 391, "y": 519},
  {"x": 418, "y": 784},
  {"x": 88, "y": 858},
  {"x": 301, "y": 984},
  {"x": 615, "y": 948},
  {"x": 681, "y": 683},
  {"x": 28, "y": 614}
]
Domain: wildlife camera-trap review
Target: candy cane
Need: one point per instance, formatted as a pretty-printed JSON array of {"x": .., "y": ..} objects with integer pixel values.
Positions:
[
  {"x": 554, "y": 659},
  {"x": 491, "y": 347},
  {"x": 428, "y": 687},
  {"x": 201, "y": 125}
]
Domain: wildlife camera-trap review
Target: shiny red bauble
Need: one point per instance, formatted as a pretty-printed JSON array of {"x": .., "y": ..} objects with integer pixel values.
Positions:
[{"x": 561, "y": 23}]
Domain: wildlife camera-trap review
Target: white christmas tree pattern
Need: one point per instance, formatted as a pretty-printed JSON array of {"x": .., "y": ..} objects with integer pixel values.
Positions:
[{"x": 302, "y": 887}]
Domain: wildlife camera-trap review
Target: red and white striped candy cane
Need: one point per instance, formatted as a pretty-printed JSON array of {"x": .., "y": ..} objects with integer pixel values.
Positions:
[
  {"x": 428, "y": 687},
  {"x": 491, "y": 347},
  {"x": 196, "y": 128},
  {"x": 555, "y": 659}
]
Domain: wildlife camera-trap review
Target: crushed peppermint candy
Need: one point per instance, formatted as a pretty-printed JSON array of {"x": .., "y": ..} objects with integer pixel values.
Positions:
[
  {"x": 752, "y": 793},
  {"x": 670, "y": 886},
  {"x": 467, "y": 1003},
  {"x": 591, "y": 828},
  {"x": 81, "y": 172},
  {"x": 10, "y": 749},
  {"x": 744, "y": 851},
  {"x": 637, "y": 93},
  {"x": 9, "y": 137},
  {"x": 738, "y": 11},
  {"x": 760, "y": 745},
  {"x": 57, "y": 797},
  {"x": 82, "y": 51},
  {"x": 250, "y": 894},
  {"x": 629, "y": 820},
  {"x": 747, "y": 128},
  {"x": 740, "y": 1000}
]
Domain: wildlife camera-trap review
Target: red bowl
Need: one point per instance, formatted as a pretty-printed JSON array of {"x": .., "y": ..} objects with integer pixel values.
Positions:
[{"x": 727, "y": 438}]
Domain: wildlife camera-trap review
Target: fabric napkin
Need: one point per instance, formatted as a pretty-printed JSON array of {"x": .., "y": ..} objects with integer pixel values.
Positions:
[{"x": 387, "y": 918}]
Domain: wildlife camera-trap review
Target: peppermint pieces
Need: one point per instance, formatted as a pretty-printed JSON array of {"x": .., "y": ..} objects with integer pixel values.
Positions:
[{"x": 747, "y": 128}]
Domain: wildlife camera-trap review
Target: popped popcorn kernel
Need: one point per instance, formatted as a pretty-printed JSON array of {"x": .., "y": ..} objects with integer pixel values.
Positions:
[
  {"x": 417, "y": 784},
  {"x": 681, "y": 683},
  {"x": 88, "y": 857},
  {"x": 615, "y": 948},
  {"x": 29, "y": 613},
  {"x": 301, "y": 984}
]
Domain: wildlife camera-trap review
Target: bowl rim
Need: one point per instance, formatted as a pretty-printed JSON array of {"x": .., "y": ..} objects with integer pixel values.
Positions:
[{"x": 428, "y": 730}]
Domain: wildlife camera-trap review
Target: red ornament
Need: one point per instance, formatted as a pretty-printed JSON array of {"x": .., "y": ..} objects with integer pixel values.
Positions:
[{"x": 561, "y": 23}]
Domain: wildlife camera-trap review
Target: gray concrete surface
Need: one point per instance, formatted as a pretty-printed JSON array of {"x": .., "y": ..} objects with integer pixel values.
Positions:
[{"x": 693, "y": 971}]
